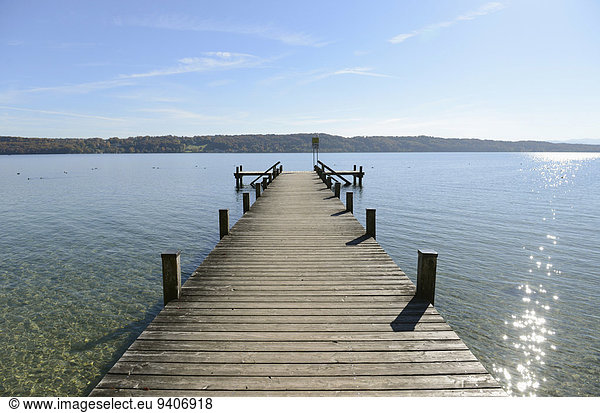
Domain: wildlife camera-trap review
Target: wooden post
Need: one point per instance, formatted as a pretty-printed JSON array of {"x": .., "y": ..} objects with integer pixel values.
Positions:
[
  {"x": 246, "y": 201},
  {"x": 354, "y": 177},
  {"x": 336, "y": 189},
  {"x": 350, "y": 202},
  {"x": 426, "y": 268},
  {"x": 360, "y": 176},
  {"x": 257, "y": 187},
  {"x": 265, "y": 183},
  {"x": 171, "y": 267},
  {"x": 280, "y": 168},
  {"x": 270, "y": 178},
  {"x": 329, "y": 182},
  {"x": 371, "y": 223},
  {"x": 223, "y": 222},
  {"x": 241, "y": 178},
  {"x": 237, "y": 177}
]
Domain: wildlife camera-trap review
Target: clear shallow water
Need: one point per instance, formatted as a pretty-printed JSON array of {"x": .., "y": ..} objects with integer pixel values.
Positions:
[{"x": 517, "y": 236}]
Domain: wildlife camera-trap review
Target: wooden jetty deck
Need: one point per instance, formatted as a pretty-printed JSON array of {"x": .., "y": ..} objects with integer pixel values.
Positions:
[{"x": 297, "y": 301}]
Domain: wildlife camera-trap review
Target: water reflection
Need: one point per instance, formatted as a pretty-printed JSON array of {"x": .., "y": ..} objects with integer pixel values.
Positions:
[{"x": 527, "y": 331}]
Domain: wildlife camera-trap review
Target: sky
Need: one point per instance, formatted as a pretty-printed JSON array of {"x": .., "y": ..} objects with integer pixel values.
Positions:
[{"x": 508, "y": 69}]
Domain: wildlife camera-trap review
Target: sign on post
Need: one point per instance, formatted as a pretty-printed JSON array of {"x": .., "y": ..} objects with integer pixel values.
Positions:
[{"x": 315, "y": 147}]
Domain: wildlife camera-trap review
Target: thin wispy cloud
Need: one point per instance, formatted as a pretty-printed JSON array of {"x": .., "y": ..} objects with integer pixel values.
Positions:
[
  {"x": 209, "y": 61},
  {"x": 486, "y": 9},
  {"x": 187, "y": 23},
  {"x": 53, "y": 112},
  {"x": 359, "y": 71}
]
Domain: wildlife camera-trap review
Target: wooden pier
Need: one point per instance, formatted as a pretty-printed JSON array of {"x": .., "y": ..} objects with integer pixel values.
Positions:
[
  {"x": 271, "y": 173},
  {"x": 297, "y": 299}
]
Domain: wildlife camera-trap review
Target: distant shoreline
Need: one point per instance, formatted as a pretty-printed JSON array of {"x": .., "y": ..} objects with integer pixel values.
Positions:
[{"x": 282, "y": 143}]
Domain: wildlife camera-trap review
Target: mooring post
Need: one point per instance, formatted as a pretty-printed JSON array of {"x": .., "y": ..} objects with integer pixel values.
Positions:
[
  {"x": 360, "y": 176},
  {"x": 336, "y": 189},
  {"x": 371, "y": 223},
  {"x": 329, "y": 182},
  {"x": 354, "y": 176},
  {"x": 223, "y": 222},
  {"x": 265, "y": 183},
  {"x": 280, "y": 168},
  {"x": 237, "y": 177},
  {"x": 171, "y": 268},
  {"x": 350, "y": 202},
  {"x": 257, "y": 188},
  {"x": 246, "y": 201},
  {"x": 426, "y": 268},
  {"x": 241, "y": 178}
]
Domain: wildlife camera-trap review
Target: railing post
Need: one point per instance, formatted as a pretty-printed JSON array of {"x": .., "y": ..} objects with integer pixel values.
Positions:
[
  {"x": 270, "y": 178},
  {"x": 171, "y": 268},
  {"x": 246, "y": 201},
  {"x": 354, "y": 176},
  {"x": 237, "y": 177},
  {"x": 350, "y": 202},
  {"x": 329, "y": 182},
  {"x": 360, "y": 176},
  {"x": 223, "y": 222},
  {"x": 371, "y": 223},
  {"x": 426, "y": 269},
  {"x": 265, "y": 183},
  {"x": 257, "y": 188},
  {"x": 336, "y": 189}
]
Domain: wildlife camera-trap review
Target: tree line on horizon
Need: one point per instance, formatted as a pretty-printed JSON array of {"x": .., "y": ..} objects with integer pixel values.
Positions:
[{"x": 300, "y": 142}]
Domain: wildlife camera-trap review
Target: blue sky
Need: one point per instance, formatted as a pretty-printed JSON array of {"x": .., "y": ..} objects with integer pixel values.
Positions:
[{"x": 508, "y": 69}]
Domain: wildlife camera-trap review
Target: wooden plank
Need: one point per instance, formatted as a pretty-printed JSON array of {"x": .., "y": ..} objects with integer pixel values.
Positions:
[
  {"x": 306, "y": 357},
  {"x": 294, "y": 369},
  {"x": 178, "y": 348},
  {"x": 297, "y": 319},
  {"x": 146, "y": 392},
  {"x": 297, "y": 336},
  {"x": 298, "y": 327},
  {"x": 458, "y": 381}
]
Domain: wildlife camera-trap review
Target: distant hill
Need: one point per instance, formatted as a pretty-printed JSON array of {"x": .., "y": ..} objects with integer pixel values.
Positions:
[{"x": 300, "y": 142}]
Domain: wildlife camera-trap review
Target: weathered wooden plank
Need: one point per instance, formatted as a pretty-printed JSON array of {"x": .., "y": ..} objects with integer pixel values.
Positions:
[
  {"x": 458, "y": 381},
  {"x": 291, "y": 369},
  {"x": 180, "y": 347},
  {"x": 177, "y": 317},
  {"x": 342, "y": 304},
  {"x": 147, "y": 392},
  {"x": 297, "y": 336},
  {"x": 323, "y": 313},
  {"x": 296, "y": 327},
  {"x": 306, "y": 357}
]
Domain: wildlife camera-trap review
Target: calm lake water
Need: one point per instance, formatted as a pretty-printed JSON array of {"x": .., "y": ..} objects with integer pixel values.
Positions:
[{"x": 518, "y": 237}]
